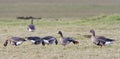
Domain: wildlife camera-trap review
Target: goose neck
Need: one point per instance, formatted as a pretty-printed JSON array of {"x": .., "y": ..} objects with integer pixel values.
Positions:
[
  {"x": 31, "y": 21},
  {"x": 93, "y": 33},
  {"x": 61, "y": 35}
]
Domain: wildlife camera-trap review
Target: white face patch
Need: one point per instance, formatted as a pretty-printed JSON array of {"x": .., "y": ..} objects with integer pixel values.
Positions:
[{"x": 19, "y": 42}]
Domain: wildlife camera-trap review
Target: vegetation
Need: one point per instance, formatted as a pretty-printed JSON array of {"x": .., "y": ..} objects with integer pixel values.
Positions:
[
  {"x": 106, "y": 25},
  {"x": 73, "y": 17}
]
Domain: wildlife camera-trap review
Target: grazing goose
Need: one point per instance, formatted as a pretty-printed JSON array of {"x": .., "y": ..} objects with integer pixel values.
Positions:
[
  {"x": 66, "y": 40},
  {"x": 100, "y": 40},
  {"x": 49, "y": 40},
  {"x": 14, "y": 41},
  {"x": 35, "y": 40},
  {"x": 31, "y": 27}
]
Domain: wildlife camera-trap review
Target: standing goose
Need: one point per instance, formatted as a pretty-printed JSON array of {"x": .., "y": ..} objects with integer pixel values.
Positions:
[
  {"x": 66, "y": 40},
  {"x": 14, "y": 41},
  {"x": 100, "y": 40},
  {"x": 31, "y": 27},
  {"x": 49, "y": 40}
]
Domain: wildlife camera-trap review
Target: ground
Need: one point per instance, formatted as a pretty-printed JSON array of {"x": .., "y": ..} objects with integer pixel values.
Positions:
[{"x": 103, "y": 25}]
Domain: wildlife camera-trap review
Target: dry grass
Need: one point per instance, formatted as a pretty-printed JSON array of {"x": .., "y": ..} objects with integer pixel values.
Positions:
[
  {"x": 69, "y": 13},
  {"x": 107, "y": 26}
]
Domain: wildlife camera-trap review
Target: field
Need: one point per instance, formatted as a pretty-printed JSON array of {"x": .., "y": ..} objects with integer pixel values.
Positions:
[
  {"x": 104, "y": 25},
  {"x": 73, "y": 17}
]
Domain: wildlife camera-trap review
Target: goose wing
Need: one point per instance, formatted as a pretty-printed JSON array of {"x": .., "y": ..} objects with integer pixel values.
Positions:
[
  {"x": 104, "y": 39},
  {"x": 33, "y": 38},
  {"x": 68, "y": 39},
  {"x": 17, "y": 39},
  {"x": 49, "y": 39}
]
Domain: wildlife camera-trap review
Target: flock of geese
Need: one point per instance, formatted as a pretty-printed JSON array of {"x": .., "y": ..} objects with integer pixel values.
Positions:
[{"x": 97, "y": 40}]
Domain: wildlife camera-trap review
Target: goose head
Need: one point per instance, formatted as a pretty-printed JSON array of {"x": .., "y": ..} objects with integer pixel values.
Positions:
[
  {"x": 59, "y": 32},
  {"x": 93, "y": 32}
]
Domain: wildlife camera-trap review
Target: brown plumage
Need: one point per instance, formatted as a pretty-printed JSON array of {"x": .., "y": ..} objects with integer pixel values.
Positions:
[
  {"x": 49, "y": 40},
  {"x": 14, "y": 41},
  {"x": 67, "y": 40}
]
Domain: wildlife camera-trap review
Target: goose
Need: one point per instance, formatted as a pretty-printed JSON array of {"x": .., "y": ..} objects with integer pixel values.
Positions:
[
  {"x": 49, "y": 40},
  {"x": 14, "y": 41},
  {"x": 35, "y": 40},
  {"x": 100, "y": 40},
  {"x": 31, "y": 27},
  {"x": 66, "y": 40}
]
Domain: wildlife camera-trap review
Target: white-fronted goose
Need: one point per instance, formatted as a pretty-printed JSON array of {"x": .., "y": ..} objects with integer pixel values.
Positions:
[
  {"x": 35, "y": 40},
  {"x": 100, "y": 40},
  {"x": 14, "y": 41},
  {"x": 31, "y": 27},
  {"x": 66, "y": 40},
  {"x": 49, "y": 40}
]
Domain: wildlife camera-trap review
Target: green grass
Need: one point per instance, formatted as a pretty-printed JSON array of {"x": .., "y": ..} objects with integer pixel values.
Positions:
[
  {"x": 106, "y": 25},
  {"x": 74, "y": 20}
]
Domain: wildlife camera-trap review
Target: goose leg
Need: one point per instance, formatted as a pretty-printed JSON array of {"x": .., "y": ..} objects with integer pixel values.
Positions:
[{"x": 15, "y": 43}]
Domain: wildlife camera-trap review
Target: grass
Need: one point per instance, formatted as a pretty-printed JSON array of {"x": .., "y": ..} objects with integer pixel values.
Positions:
[
  {"x": 74, "y": 20},
  {"x": 106, "y": 25}
]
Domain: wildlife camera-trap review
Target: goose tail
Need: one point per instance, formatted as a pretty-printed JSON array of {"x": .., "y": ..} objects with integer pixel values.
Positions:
[
  {"x": 109, "y": 42},
  {"x": 75, "y": 42},
  {"x": 56, "y": 42},
  {"x": 43, "y": 43}
]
